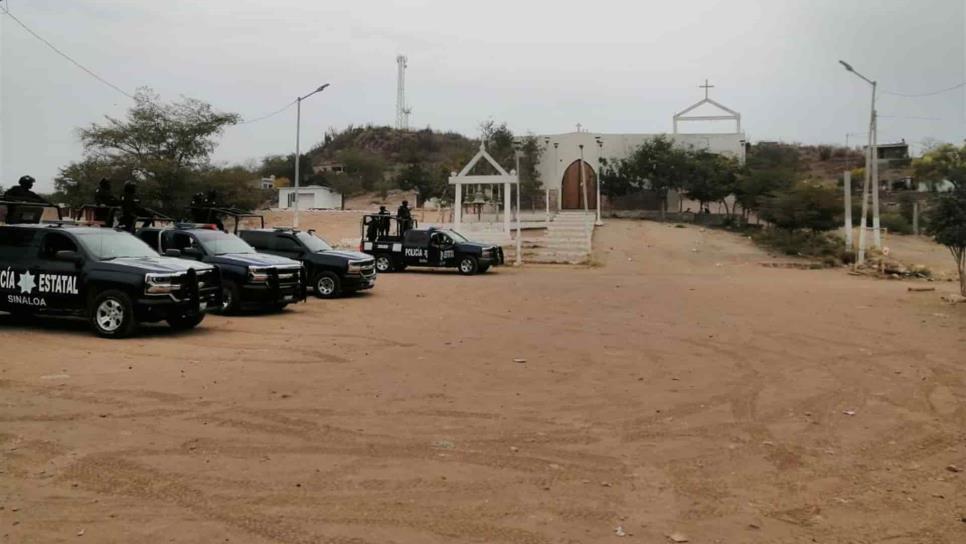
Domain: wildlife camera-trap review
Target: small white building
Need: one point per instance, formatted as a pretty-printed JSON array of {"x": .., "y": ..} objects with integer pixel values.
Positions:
[{"x": 310, "y": 197}]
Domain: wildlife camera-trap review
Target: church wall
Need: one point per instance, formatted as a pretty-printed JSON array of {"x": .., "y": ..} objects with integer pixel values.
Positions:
[{"x": 553, "y": 162}]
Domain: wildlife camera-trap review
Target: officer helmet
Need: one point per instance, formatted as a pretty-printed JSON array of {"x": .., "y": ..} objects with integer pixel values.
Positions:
[
  {"x": 130, "y": 187},
  {"x": 26, "y": 182},
  {"x": 405, "y": 203},
  {"x": 104, "y": 183}
]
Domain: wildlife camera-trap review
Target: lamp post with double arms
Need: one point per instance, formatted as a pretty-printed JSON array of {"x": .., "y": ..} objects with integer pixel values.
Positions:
[{"x": 298, "y": 134}]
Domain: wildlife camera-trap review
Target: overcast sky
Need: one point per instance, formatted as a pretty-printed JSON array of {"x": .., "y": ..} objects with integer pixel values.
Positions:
[{"x": 541, "y": 66}]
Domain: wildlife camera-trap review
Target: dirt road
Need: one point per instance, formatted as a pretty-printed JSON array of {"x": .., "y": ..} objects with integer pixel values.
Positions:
[{"x": 679, "y": 388}]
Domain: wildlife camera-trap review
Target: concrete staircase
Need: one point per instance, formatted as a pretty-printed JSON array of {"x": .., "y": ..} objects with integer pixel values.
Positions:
[{"x": 569, "y": 239}]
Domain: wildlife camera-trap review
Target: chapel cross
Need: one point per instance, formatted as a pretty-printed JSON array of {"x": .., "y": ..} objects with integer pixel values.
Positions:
[{"x": 706, "y": 86}]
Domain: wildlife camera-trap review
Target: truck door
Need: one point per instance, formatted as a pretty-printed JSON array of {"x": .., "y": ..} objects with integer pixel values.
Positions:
[
  {"x": 183, "y": 242},
  {"x": 441, "y": 249},
  {"x": 58, "y": 279},
  {"x": 287, "y": 246},
  {"x": 416, "y": 248},
  {"x": 17, "y": 253}
]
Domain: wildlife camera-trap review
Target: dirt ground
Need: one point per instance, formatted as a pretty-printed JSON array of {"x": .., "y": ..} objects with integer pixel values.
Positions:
[{"x": 678, "y": 388}]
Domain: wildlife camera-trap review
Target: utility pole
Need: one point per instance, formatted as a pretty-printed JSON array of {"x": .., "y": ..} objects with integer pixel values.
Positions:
[
  {"x": 871, "y": 175},
  {"x": 298, "y": 134},
  {"x": 847, "y": 184},
  {"x": 600, "y": 152}
]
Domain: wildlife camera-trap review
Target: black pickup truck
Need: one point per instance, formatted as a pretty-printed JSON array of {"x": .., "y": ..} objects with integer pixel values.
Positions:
[
  {"x": 331, "y": 273},
  {"x": 109, "y": 277},
  {"x": 395, "y": 249},
  {"x": 250, "y": 280}
]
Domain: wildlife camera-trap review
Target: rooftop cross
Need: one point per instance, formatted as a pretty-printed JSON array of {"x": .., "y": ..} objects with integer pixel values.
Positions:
[
  {"x": 579, "y": 126},
  {"x": 706, "y": 86}
]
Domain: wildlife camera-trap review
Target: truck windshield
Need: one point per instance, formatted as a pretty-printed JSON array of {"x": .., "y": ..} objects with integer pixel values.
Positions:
[
  {"x": 312, "y": 242},
  {"x": 111, "y": 244},
  {"x": 216, "y": 242}
]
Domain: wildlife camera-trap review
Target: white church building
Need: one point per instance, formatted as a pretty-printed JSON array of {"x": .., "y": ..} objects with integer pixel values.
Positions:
[{"x": 563, "y": 154}]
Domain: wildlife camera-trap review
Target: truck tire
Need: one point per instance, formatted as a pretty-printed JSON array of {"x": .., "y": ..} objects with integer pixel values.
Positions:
[
  {"x": 229, "y": 297},
  {"x": 185, "y": 322},
  {"x": 468, "y": 265},
  {"x": 327, "y": 285},
  {"x": 111, "y": 314},
  {"x": 383, "y": 264}
]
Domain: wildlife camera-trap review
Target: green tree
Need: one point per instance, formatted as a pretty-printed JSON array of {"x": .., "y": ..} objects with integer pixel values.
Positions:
[
  {"x": 656, "y": 165},
  {"x": 804, "y": 207},
  {"x": 283, "y": 166},
  {"x": 161, "y": 146},
  {"x": 947, "y": 224},
  {"x": 942, "y": 162},
  {"x": 710, "y": 178}
]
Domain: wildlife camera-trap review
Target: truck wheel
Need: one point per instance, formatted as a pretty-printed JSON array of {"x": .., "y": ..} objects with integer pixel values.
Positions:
[
  {"x": 327, "y": 285},
  {"x": 383, "y": 264},
  {"x": 112, "y": 314},
  {"x": 229, "y": 297},
  {"x": 468, "y": 265},
  {"x": 185, "y": 322}
]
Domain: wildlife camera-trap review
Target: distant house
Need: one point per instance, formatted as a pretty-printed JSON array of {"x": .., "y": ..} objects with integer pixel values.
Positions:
[
  {"x": 892, "y": 152},
  {"x": 310, "y": 197},
  {"x": 334, "y": 167}
]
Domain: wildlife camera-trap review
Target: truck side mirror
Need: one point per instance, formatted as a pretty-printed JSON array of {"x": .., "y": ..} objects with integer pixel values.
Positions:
[
  {"x": 192, "y": 252},
  {"x": 69, "y": 256},
  {"x": 172, "y": 253}
]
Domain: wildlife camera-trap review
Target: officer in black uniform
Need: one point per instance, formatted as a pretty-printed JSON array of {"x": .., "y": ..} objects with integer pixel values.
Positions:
[
  {"x": 131, "y": 209},
  {"x": 211, "y": 201},
  {"x": 103, "y": 196},
  {"x": 383, "y": 226},
  {"x": 405, "y": 217},
  {"x": 199, "y": 211},
  {"x": 105, "y": 202},
  {"x": 23, "y": 193}
]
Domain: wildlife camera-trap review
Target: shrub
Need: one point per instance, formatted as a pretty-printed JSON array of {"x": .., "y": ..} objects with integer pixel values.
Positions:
[
  {"x": 804, "y": 206},
  {"x": 896, "y": 223},
  {"x": 800, "y": 243}
]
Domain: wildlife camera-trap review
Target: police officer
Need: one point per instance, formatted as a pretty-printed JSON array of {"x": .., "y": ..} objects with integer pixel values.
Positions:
[
  {"x": 383, "y": 226},
  {"x": 404, "y": 216},
  {"x": 211, "y": 201},
  {"x": 104, "y": 199},
  {"x": 23, "y": 193},
  {"x": 131, "y": 209},
  {"x": 103, "y": 196},
  {"x": 199, "y": 211}
]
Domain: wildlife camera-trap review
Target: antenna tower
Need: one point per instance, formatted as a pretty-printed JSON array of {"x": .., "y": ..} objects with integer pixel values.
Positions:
[{"x": 402, "y": 110}]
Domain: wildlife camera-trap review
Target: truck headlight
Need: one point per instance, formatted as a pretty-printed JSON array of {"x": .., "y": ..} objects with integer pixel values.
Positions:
[
  {"x": 160, "y": 284},
  {"x": 258, "y": 274}
]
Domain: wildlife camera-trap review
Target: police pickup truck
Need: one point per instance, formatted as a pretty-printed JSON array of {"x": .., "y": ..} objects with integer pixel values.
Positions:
[
  {"x": 331, "y": 273},
  {"x": 442, "y": 248},
  {"x": 110, "y": 277},
  {"x": 250, "y": 280}
]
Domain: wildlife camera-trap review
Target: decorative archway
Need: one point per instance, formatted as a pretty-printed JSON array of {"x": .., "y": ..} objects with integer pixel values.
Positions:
[{"x": 571, "y": 192}]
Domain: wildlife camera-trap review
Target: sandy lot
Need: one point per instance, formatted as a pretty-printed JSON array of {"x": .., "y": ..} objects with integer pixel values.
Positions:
[{"x": 680, "y": 388}]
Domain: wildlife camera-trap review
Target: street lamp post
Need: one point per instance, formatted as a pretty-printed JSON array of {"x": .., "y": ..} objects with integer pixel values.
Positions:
[
  {"x": 871, "y": 176},
  {"x": 298, "y": 134},
  {"x": 600, "y": 152},
  {"x": 546, "y": 190}
]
